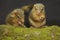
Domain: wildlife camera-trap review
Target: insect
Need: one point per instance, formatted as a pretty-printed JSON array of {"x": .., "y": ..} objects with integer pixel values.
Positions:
[
  {"x": 16, "y": 18},
  {"x": 37, "y": 16}
]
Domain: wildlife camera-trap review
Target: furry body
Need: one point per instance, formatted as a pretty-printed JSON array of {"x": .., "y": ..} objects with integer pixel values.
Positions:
[
  {"x": 16, "y": 17},
  {"x": 37, "y": 16}
]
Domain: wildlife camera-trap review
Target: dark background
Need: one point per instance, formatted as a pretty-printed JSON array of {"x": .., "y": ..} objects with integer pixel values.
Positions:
[{"x": 52, "y": 9}]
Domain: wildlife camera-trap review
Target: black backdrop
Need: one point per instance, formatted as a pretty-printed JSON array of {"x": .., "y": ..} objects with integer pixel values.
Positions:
[{"x": 52, "y": 9}]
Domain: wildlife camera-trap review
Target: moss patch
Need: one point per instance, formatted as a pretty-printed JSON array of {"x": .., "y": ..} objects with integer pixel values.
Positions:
[{"x": 8, "y": 32}]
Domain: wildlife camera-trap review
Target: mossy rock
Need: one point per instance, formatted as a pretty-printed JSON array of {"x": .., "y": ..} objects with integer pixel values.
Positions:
[{"x": 8, "y": 32}]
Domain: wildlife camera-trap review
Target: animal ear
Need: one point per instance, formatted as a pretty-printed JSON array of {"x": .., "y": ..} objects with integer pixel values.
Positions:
[{"x": 34, "y": 7}]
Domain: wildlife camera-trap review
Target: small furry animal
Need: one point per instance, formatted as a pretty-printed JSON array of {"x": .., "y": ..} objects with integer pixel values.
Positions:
[
  {"x": 16, "y": 18},
  {"x": 37, "y": 16}
]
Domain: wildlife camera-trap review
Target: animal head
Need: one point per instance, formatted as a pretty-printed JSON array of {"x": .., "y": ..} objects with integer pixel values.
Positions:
[
  {"x": 16, "y": 17},
  {"x": 19, "y": 13},
  {"x": 38, "y": 12},
  {"x": 39, "y": 7}
]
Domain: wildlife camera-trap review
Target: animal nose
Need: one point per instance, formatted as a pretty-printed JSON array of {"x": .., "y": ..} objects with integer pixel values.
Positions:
[{"x": 38, "y": 11}]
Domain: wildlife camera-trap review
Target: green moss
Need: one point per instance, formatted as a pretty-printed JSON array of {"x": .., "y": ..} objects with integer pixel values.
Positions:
[{"x": 8, "y": 32}]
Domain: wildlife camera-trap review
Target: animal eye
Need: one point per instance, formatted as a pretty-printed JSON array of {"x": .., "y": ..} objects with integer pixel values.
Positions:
[
  {"x": 35, "y": 8},
  {"x": 41, "y": 9},
  {"x": 18, "y": 16}
]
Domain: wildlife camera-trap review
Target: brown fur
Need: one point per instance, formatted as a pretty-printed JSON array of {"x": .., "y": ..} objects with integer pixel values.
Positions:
[
  {"x": 16, "y": 17},
  {"x": 37, "y": 19}
]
